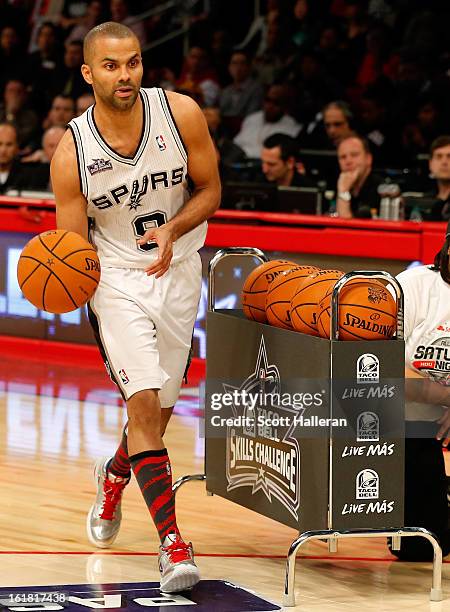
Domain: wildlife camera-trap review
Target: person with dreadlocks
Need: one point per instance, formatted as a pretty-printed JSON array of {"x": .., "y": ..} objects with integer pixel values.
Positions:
[{"x": 427, "y": 393}]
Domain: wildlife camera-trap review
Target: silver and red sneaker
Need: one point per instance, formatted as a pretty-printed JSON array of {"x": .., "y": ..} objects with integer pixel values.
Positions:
[
  {"x": 105, "y": 515},
  {"x": 176, "y": 565}
]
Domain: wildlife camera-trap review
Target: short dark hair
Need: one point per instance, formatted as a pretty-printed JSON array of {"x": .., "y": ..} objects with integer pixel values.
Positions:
[
  {"x": 342, "y": 106},
  {"x": 64, "y": 96},
  {"x": 362, "y": 140},
  {"x": 441, "y": 261},
  {"x": 439, "y": 143},
  {"x": 241, "y": 52},
  {"x": 287, "y": 144},
  {"x": 48, "y": 24},
  {"x": 109, "y": 29},
  {"x": 11, "y": 125},
  {"x": 75, "y": 43}
]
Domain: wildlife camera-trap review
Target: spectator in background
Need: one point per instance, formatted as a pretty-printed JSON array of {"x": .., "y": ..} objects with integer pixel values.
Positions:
[
  {"x": 356, "y": 26},
  {"x": 314, "y": 86},
  {"x": 334, "y": 125},
  {"x": 71, "y": 82},
  {"x": 11, "y": 171},
  {"x": 12, "y": 14},
  {"x": 120, "y": 12},
  {"x": 12, "y": 58},
  {"x": 337, "y": 118},
  {"x": 198, "y": 77},
  {"x": 420, "y": 133},
  {"x": 273, "y": 119},
  {"x": 409, "y": 81},
  {"x": 92, "y": 17},
  {"x": 357, "y": 186},
  {"x": 50, "y": 141},
  {"x": 440, "y": 171},
  {"x": 83, "y": 102},
  {"x": 375, "y": 62},
  {"x": 44, "y": 66},
  {"x": 61, "y": 112},
  {"x": 329, "y": 49},
  {"x": 227, "y": 152},
  {"x": 302, "y": 26},
  {"x": 277, "y": 51},
  {"x": 219, "y": 50},
  {"x": 15, "y": 110},
  {"x": 243, "y": 96},
  {"x": 280, "y": 164},
  {"x": 375, "y": 126},
  {"x": 37, "y": 165}
]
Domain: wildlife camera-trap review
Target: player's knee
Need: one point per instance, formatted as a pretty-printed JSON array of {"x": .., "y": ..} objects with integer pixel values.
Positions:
[
  {"x": 144, "y": 411},
  {"x": 144, "y": 421}
]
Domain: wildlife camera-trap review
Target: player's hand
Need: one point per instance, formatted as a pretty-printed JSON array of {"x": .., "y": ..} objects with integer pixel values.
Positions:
[
  {"x": 444, "y": 431},
  {"x": 164, "y": 239},
  {"x": 347, "y": 180}
]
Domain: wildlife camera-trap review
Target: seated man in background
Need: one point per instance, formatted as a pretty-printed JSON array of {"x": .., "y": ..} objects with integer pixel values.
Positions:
[
  {"x": 273, "y": 119},
  {"x": 243, "y": 96},
  {"x": 227, "y": 152},
  {"x": 440, "y": 170},
  {"x": 16, "y": 111},
  {"x": 334, "y": 126},
  {"x": 279, "y": 162},
  {"x": 357, "y": 186},
  {"x": 61, "y": 112},
  {"x": 331, "y": 126},
  {"x": 37, "y": 165},
  {"x": 83, "y": 102},
  {"x": 49, "y": 142},
  {"x": 11, "y": 171},
  {"x": 14, "y": 174}
]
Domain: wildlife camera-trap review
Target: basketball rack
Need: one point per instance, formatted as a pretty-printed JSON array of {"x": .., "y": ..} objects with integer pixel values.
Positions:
[{"x": 319, "y": 516}]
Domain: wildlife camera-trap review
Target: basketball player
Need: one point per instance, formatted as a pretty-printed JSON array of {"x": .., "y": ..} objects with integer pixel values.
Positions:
[{"x": 123, "y": 166}]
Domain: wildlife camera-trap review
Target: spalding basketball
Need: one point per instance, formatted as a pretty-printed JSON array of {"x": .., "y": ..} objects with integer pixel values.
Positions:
[
  {"x": 256, "y": 285},
  {"x": 367, "y": 311},
  {"x": 305, "y": 301},
  {"x": 58, "y": 271},
  {"x": 280, "y": 293}
]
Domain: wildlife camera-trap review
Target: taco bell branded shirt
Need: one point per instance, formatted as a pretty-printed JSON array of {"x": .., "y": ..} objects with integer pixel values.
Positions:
[{"x": 427, "y": 333}]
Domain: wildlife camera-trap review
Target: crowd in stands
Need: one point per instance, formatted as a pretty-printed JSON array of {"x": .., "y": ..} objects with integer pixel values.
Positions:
[{"x": 340, "y": 93}]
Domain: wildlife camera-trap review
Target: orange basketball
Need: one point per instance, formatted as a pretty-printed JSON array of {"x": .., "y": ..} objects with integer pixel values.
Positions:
[
  {"x": 256, "y": 285},
  {"x": 280, "y": 293},
  {"x": 367, "y": 311},
  {"x": 58, "y": 271},
  {"x": 305, "y": 301}
]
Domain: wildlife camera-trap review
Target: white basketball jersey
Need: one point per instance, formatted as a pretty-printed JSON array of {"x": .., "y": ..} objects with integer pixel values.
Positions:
[{"x": 128, "y": 195}]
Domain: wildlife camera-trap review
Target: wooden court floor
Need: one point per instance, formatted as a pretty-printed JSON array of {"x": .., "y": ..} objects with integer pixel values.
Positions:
[{"x": 56, "y": 420}]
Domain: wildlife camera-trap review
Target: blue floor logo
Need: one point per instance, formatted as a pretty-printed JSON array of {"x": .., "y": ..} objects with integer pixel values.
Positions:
[{"x": 207, "y": 595}]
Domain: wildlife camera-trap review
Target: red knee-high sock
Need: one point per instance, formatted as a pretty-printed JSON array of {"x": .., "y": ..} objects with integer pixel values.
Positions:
[
  {"x": 120, "y": 463},
  {"x": 154, "y": 476}
]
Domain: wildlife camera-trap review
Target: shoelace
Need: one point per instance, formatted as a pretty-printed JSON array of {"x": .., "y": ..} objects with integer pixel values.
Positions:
[
  {"x": 178, "y": 551},
  {"x": 113, "y": 493}
]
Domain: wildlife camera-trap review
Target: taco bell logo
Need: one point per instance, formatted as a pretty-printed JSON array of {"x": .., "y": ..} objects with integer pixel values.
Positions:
[
  {"x": 367, "y": 369},
  {"x": 367, "y": 485},
  {"x": 368, "y": 427}
]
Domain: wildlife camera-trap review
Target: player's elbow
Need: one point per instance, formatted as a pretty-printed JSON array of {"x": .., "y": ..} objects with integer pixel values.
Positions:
[
  {"x": 212, "y": 194},
  {"x": 216, "y": 197}
]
